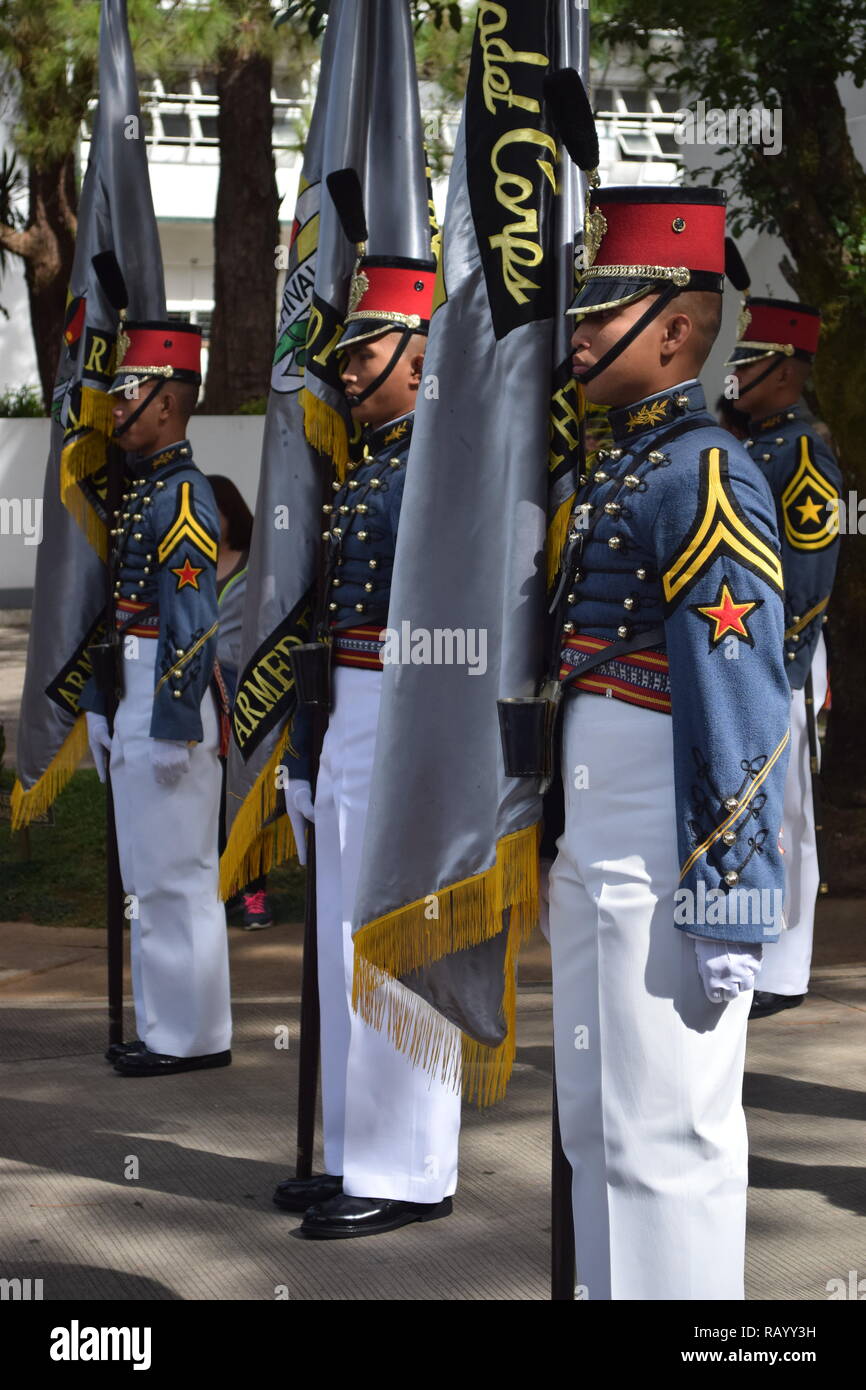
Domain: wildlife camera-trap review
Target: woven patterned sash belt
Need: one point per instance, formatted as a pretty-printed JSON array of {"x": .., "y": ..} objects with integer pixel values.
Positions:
[
  {"x": 641, "y": 678},
  {"x": 125, "y": 610},
  {"x": 359, "y": 646}
]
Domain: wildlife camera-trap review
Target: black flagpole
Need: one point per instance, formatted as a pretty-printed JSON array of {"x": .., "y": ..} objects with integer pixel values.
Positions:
[
  {"x": 114, "y": 886},
  {"x": 308, "y": 1054},
  {"x": 561, "y": 1216}
]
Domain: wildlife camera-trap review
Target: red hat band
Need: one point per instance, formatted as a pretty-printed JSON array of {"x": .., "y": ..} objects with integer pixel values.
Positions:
[
  {"x": 650, "y": 236},
  {"x": 639, "y": 240},
  {"x": 160, "y": 349},
  {"x": 393, "y": 291},
  {"x": 780, "y": 325}
]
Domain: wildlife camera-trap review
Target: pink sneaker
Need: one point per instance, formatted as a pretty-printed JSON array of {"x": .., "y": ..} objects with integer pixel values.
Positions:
[{"x": 257, "y": 911}]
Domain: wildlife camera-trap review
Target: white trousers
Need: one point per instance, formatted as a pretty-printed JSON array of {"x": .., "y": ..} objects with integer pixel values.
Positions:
[
  {"x": 389, "y": 1129},
  {"x": 788, "y": 961},
  {"x": 167, "y": 840},
  {"x": 649, "y": 1073}
]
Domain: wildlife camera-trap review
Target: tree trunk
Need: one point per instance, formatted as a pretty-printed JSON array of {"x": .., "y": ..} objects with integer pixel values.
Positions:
[
  {"x": 821, "y": 188},
  {"x": 246, "y": 231},
  {"x": 48, "y": 262}
]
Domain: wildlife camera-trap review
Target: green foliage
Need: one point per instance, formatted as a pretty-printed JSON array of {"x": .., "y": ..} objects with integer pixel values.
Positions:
[
  {"x": 758, "y": 53},
  {"x": 257, "y": 406},
  {"x": 63, "y": 882},
  {"x": 21, "y": 402},
  {"x": 442, "y": 52},
  {"x": 312, "y": 14}
]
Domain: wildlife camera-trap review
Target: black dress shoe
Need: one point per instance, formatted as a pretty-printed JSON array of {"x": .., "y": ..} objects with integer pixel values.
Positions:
[
  {"x": 115, "y": 1050},
  {"x": 299, "y": 1194},
  {"x": 346, "y": 1216},
  {"x": 764, "y": 1003},
  {"x": 147, "y": 1063}
]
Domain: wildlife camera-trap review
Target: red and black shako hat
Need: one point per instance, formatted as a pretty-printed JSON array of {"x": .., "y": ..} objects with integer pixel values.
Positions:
[
  {"x": 388, "y": 292},
  {"x": 154, "y": 350},
  {"x": 638, "y": 240},
  {"x": 769, "y": 327}
]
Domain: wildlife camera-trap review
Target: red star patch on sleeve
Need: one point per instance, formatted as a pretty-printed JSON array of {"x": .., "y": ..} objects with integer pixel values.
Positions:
[
  {"x": 727, "y": 616},
  {"x": 187, "y": 574}
]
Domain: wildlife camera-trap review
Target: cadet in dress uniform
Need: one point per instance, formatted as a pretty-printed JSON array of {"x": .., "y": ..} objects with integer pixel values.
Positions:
[
  {"x": 668, "y": 877},
  {"x": 164, "y": 749},
  {"x": 390, "y": 1132},
  {"x": 776, "y": 346}
]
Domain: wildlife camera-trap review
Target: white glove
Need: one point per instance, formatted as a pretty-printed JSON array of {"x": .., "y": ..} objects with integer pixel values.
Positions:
[
  {"x": 169, "y": 760},
  {"x": 100, "y": 741},
  {"x": 299, "y": 808},
  {"x": 727, "y": 968}
]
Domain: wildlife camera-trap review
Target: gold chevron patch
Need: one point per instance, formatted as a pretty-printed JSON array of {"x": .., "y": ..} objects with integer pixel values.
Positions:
[
  {"x": 721, "y": 527},
  {"x": 186, "y": 526},
  {"x": 809, "y": 523}
]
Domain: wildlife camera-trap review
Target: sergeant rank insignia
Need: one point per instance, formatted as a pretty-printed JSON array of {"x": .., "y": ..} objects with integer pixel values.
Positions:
[
  {"x": 727, "y": 616},
  {"x": 719, "y": 528},
  {"x": 808, "y": 505}
]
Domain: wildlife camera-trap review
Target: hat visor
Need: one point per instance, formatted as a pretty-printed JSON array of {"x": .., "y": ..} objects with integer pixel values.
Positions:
[
  {"x": 743, "y": 355},
  {"x": 124, "y": 379},
  {"x": 365, "y": 330},
  {"x": 600, "y": 293}
]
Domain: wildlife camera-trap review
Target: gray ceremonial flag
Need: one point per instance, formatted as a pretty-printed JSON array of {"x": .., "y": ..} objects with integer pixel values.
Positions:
[
  {"x": 374, "y": 127},
  {"x": 282, "y": 563},
  {"x": 449, "y": 882},
  {"x": 115, "y": 214},
  {"x": 366, "y": 117}
]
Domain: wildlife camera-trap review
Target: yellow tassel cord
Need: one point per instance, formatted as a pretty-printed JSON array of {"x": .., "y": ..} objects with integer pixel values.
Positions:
[
  {"x": 556, "y": 538},
  {"x": 325, "y": 428},
  {"x": 29, "y": 802},
  {"x": 253, "y": 847},
  {"x": 410, "y": 938}
]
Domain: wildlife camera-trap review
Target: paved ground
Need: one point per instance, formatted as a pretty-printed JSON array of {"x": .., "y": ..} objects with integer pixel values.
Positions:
[{"x": 197, "y": 1222}]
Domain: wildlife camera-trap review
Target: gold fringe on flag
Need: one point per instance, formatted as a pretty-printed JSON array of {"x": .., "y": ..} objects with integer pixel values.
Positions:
[
  {"x": 325, "y": 428},
  {"x": 414, "y": 936},
  {"x": 556, "y": 538},
  {"x": 95, "y": 412},
  {"x": 254, "y": 847},
  {"x": 92, "y": 526},
  {"x": 83, "y": 454},
  {"x": 29, "y": 802}
]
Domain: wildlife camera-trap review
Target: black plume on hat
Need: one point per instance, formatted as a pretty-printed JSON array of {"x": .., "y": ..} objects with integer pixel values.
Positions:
[
  {"x": 110, "y": 277},
  {"x": 571, "y": 113},
  {"x": 344, "y": 187},
  {"x": 735, "y": 266}
]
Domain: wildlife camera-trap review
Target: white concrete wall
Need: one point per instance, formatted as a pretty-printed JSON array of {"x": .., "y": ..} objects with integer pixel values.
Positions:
[{"x": 227, "y": 444}]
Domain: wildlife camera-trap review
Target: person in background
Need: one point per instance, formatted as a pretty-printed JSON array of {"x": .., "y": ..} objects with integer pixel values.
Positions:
[
  {"x": 163, "y": 749},
  {"x": 735, "y": 421},
  {"x": 236, "y": 525},
  {"x": 772, "y": 361}
]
